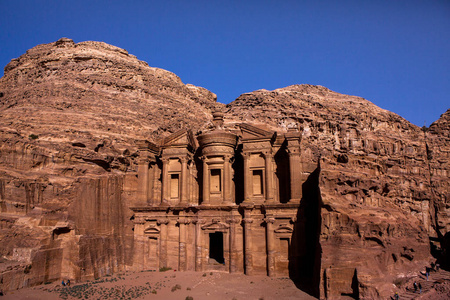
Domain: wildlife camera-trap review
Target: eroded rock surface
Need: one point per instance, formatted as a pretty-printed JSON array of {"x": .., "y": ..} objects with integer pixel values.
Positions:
[
  {"x": 383, "y": 194},
  {"x": 70, "y": 116}
]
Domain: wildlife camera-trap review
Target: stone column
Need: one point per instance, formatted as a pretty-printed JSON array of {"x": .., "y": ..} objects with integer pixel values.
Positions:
[
  {"x": 143, "y": 179},
  {"x": 198, "y": 245},
  {"x": 233, "y": 221},
  {"x": 206, "y": 190},
  {"x": 165, "y": 182},
  {"x": 227, "y": 198},
  {"x": 247, "y": 178},
  {"x": 270, "y": 240},
  {"x": 155, "y": 184},
  {"x": 163, "y": 242},
  {"x": 184, "y": 180},
  {"x": 269, "y": 176},
  {"x": 182, "y": 222},
  {"x": 295, "y": 175},
  {"x": 248, "y": 241}
]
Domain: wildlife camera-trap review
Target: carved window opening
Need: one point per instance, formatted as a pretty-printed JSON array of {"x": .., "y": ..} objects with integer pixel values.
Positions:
[
  {"x": 216, "y": 181},
  {"x": 174, "y": 186},
  {"x": 258, "y": 182},
  {"x": 216, "y": 248}
]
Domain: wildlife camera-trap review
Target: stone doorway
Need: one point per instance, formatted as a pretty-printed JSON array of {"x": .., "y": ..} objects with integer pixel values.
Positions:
[{"x": 216, "y": 248}]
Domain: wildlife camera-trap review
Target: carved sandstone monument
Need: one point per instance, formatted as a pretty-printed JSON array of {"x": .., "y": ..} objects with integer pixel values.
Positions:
[
  {"x": 226, "y": 200},
  {"x": 107, "y": 164}
]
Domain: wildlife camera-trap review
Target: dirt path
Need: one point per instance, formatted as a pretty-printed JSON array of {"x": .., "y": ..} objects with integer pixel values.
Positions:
[{"x": 169, "y": 285}]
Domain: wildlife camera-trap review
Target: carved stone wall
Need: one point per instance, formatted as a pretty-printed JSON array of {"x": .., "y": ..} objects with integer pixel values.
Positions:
[{"x": 249, "y": 231}]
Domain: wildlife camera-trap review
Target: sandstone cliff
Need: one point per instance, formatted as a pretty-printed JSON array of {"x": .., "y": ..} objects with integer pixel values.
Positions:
[
  {"x": 383, "y": 194},
  {"x": 70, "y": 115}
]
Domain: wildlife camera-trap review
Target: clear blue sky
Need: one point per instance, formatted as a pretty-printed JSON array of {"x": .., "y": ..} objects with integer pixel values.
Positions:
[{"x": 393, "y": 53}]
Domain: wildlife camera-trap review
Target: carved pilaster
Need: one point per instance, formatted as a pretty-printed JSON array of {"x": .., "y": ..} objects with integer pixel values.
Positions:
[
  {"x": 139, "y": 242},
  {"x": 233, "y": 221},
  {"x": 182, "y": 222},
  {"x": 184, "y": 180},
  {"x": 268, "y": 158},
  {"x": 198, "y": 244},
  {"x": 163, "y": 242},
  {"x": 206, "y": 188}
]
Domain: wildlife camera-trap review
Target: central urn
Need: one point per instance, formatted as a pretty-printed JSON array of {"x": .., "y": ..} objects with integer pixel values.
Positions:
[{"x": 218, "y": 149}]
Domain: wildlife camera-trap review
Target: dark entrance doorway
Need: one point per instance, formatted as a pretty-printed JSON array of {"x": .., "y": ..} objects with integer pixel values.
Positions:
[{"x": 216, "y": 247}]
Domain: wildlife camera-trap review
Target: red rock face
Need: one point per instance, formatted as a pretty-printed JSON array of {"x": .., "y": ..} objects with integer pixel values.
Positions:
[
  {"x": 377, "y": 189},
  {"x": 382, "y": 194},
  {"x": 70, "y": 115}
]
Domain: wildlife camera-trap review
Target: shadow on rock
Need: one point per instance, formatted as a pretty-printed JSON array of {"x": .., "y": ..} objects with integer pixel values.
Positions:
[{"x": 305, "y": 250}]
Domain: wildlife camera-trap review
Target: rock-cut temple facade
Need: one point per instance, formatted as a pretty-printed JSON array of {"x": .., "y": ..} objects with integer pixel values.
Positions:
[{"x": 226, "y": 199}]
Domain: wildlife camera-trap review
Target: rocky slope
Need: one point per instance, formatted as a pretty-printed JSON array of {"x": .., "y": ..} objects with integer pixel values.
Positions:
[{"x": 70, "y": 116}]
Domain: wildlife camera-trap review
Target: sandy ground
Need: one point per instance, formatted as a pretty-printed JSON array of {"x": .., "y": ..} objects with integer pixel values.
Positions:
[{"x": 169, "y": 285}]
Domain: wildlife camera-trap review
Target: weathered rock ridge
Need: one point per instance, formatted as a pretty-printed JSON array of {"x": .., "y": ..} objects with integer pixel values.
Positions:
[{"x": 70, "y": 116}]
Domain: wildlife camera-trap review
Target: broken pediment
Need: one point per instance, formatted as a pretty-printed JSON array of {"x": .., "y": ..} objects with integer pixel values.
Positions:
[
  {"x": 180, "y": 138},
  {"x": 284, "y": 229},
  {"x": 144, "y": 145},
  {"x": 251, "y": 132}
]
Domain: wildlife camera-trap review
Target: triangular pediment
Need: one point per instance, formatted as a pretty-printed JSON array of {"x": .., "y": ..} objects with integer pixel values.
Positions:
[
  {"x": 284, "y": 229},
  {"x": 151, "y": 230},
  {"x": 250, "y": 132},
  {"x": 216, "y": 226},
  {"x": 179, "y": 138}
]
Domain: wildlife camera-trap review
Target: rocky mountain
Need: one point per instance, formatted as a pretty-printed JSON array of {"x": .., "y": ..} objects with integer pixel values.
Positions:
[
  {"x": 384, "y": 194},
  {"x": 70, "y": 118}
]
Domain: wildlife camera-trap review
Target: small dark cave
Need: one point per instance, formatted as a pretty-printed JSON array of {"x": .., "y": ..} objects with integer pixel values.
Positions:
[
  {"x": 442, "y": 255},
  {"x": 305, "y": 250}
]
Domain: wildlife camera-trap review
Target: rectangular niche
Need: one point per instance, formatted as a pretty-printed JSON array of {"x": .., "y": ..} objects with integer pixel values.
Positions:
[
  {"x": 216, "y": 181},
  {"x": 284, "y": 248},
  {"x": 258, "y": 187},
  {"x": 152, "y": 255},
  {"x": 174, "y": 186}
]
